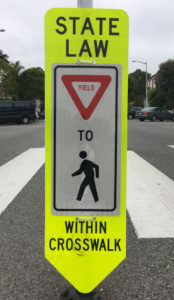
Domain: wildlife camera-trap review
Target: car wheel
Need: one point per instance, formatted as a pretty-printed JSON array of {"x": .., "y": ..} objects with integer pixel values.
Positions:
[
  {"x": 141, "y": 120},
  {"x": 25, "y": 120},
  {"x": 172, "y": 119},
  {"x": 130, "y": 117},
  {"x": 161, "y": 120},
  {"x": 154, "y": 118}
]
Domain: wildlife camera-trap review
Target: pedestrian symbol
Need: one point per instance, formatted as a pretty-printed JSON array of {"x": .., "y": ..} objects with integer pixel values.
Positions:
[{"x": 87, "y": 167}]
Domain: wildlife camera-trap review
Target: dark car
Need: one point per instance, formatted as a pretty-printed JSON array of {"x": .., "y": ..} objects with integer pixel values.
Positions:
[
  {"x": 132, "y": 111},
  {"x": 17, "y": 111},
  {"x": 154, "y": 114}
]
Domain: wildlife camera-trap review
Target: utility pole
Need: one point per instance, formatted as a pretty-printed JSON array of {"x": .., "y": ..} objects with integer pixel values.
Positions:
[{"x": 144, "y": 63}]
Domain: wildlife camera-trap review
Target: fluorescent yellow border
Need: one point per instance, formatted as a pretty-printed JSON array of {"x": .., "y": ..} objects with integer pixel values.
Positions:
[{"x": 85, "y": 270}]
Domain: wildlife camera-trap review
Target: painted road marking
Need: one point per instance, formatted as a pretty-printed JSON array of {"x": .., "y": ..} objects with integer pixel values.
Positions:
[
  {"x": 171, "y": 146},
  {"x": 150, "y": 196},
  {"x": 150, "y": 193},
  {"x": 16, "y": 173}
]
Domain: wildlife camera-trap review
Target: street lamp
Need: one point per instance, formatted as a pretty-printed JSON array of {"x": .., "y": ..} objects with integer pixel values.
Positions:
[{"x": 144, "y": 63}]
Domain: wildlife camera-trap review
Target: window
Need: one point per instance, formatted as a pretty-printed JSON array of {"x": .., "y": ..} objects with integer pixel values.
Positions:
[
  {"x": 28, "y": 105},
  {"x": 5, "y": 104},
  {"x": 19, "y": 105}
]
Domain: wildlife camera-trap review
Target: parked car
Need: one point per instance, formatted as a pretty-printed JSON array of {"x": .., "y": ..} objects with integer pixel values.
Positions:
[
  {"x": 132, "y": 111},
  {"x": 154, "y": 114},
  {"x": 17, "y": 111}
]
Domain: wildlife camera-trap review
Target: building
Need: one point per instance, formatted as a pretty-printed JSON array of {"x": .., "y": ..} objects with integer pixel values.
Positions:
[{"x": 151, "y": 82}]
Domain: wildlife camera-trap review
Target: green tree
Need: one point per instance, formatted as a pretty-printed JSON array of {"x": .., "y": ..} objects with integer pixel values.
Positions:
[
  {"x": 165, "y": 84},
  {"x": 4, "y": 68},
  {"x": 153, "y": 97},
  {"x": 11, "y": 79},
  {"x": 137, "y": 87},
  {"x": 139, "y": 100},
  {"x": 131, "y": 89},
  {"x": 31, "y": 84},
  {"x": 3, "y": 56}
]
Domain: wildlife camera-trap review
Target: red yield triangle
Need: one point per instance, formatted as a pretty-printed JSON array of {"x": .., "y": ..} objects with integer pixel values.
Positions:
[{"x": 86, "y": 112}]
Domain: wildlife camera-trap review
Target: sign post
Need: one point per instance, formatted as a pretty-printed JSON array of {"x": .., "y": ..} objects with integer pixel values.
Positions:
[
  {"x": 85, "y": 3},
  {"x": 86, "y": 143}
]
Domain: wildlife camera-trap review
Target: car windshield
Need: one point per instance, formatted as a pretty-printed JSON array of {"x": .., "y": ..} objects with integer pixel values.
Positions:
[{"x": 137, "y": 108}]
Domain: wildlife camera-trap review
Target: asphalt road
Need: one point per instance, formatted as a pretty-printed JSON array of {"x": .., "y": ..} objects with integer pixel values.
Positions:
[
  {"x": 148, "y": 271},
  {"x": 15, "y": 139},
  {"x": 150, "y": 140}
]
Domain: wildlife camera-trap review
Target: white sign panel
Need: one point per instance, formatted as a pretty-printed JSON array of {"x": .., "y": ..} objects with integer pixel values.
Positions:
[{"x": 86, "y": 145}]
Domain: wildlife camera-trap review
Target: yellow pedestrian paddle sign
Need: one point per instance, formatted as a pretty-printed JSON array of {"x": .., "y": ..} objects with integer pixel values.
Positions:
[{"x": 86, "y": 65}]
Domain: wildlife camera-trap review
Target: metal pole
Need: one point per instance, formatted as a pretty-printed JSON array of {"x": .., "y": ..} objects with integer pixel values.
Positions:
[
  {"x": 85, "y": 3},
  {"x": 146, "y": 88},
  {"x": 71, "y": 293},
  {"x": 146, "y": 92}
]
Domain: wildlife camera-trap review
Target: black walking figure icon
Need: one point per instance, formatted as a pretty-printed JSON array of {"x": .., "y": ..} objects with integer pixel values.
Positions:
[{"x": 87, "y": 167}]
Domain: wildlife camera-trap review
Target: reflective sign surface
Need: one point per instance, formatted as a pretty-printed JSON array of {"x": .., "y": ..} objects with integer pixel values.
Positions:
[{"x": 86, "y": 135}]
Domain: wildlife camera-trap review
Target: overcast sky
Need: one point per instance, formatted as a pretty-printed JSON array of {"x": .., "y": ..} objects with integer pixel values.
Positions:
[{"x": 151, "y": 31}]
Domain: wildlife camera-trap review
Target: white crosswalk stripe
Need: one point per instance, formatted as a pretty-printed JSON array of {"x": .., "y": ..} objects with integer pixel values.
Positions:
[
  {"x": 150, "y": 199},
  {"x": 150, "y": 193},
  {"x": 171, "y": 146},
  {"x": 16, "y": 173}
]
